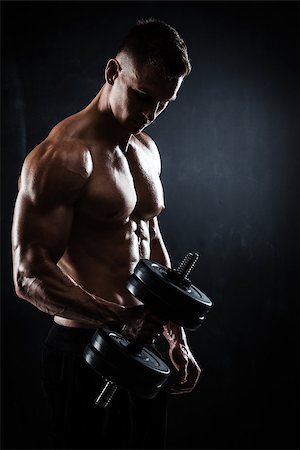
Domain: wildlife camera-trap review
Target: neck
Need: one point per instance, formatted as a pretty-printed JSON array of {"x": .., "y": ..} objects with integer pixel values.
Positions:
[{"x": 112, "y": 127}]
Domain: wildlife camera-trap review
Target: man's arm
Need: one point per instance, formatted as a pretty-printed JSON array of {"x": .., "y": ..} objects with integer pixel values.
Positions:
[
  {"x": 51, "y": 181},
  {"x": 179, "y": 351}
]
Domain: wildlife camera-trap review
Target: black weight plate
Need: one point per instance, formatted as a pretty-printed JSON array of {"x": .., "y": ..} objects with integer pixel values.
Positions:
[
  {"x": 144, "y": 363},
  {"x": 155, "y": 276},
  {"x": 138, "y": 385},
  {"x": 185, "y": 318},
  {"x": 179, "y": 301},
  {"x": 145, "y": 358}
]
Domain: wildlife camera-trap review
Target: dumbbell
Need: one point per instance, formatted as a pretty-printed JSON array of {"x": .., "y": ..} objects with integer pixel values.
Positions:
[{"x": 124, "y": 362}]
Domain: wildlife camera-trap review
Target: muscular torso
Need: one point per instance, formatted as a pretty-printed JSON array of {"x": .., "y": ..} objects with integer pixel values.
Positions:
[{"x": 110, "y": 229}]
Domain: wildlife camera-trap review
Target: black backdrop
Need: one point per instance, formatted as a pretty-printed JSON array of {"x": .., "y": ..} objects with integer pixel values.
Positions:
[{"x": 229, "y": 171}]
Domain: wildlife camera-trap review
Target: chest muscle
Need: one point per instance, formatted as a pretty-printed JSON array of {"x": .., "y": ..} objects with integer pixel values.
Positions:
[{"x": 122, "y": 187}]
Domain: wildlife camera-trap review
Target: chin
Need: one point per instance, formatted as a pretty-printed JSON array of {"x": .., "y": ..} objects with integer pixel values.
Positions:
[{"x": 137, "y": 129}]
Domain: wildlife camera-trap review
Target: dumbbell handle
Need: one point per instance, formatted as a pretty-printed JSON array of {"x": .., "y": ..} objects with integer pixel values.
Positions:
[
  {"x": 106, "y": 394},
  {"x": 188, "y": 262}
]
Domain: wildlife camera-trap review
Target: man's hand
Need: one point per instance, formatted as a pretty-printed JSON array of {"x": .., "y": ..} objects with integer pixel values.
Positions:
[
  {"x": 140, "y": 324},
  {"x": 187, "y": 367},
  {"x": 188, "y": 371}
]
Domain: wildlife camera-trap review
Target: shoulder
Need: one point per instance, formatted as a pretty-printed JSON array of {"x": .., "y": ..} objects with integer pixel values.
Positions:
[
  {"x": 150, "y": 146},
  {"x": 55, "y": 166},
  {"x": 148, "y": 142},
  {"x": 69, "y": 154}
]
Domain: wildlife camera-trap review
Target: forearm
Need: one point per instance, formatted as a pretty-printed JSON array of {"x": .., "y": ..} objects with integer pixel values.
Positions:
[
  {"x": 159, "y": 252},
  {"x": 51, "y": 291}
]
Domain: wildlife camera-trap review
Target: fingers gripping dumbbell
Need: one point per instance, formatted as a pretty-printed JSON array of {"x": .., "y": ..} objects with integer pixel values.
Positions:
[{"x": 169, "y": 294}]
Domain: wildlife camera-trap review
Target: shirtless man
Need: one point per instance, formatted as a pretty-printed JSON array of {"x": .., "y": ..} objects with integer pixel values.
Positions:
[{"x": 86, "y": 212}]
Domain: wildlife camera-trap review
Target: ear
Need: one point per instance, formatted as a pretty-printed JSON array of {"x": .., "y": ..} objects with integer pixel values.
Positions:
[{"x": 112, "y": 70}]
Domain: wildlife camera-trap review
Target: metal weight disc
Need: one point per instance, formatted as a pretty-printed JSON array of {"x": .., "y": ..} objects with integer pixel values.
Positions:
[
  {"x": 114, "y": 345},
  {"x": 155, "y": 278},
  {"x": 161, "y": 306},
  {"x": 141, "y": 372}
]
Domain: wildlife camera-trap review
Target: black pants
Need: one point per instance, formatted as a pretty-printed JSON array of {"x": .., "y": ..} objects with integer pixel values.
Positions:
[{"x": 71, "y": 387}]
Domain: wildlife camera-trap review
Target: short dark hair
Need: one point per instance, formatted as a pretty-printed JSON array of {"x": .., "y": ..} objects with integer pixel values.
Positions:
[{"x": 154, "y": 41}]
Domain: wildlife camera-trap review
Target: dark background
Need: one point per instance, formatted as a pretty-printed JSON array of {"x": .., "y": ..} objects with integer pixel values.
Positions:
[{"x": 228, "y": 147}]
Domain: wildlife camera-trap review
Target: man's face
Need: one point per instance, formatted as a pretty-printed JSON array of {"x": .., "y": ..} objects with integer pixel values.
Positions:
[{"x": 140, "y": 94}]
